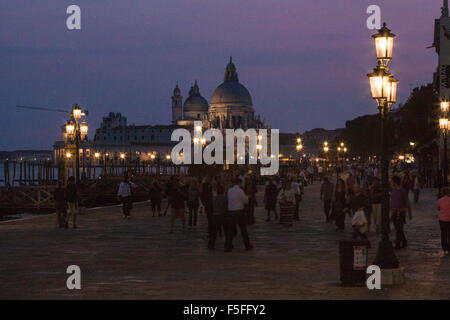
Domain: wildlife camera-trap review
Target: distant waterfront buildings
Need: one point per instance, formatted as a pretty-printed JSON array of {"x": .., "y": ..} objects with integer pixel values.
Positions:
[{"x": 230, "y": 107}]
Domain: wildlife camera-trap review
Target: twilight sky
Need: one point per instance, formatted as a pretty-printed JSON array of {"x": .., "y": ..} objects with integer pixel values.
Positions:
[{"x": 304, "y": 62}]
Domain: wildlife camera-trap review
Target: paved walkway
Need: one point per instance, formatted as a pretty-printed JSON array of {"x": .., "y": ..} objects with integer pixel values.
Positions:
[{"x": 138, "y": 258}]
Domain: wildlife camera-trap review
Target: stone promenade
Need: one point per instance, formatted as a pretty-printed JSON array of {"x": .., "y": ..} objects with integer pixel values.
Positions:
[{"x": 139, "y": 259}]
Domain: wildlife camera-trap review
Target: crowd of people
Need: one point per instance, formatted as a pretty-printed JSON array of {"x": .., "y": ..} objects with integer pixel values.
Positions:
[
  {"x": 358, "y": 194},
  {"x": 228, "y": 201}
]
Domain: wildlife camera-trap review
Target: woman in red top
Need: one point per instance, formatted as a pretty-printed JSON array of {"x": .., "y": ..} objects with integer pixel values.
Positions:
[{"x": 444, "y": 219}]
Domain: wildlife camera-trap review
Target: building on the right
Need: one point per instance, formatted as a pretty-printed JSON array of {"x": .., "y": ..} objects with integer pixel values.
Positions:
[
  {"x": 313, "y": 139},
  {"x": 441, "y": 79}
]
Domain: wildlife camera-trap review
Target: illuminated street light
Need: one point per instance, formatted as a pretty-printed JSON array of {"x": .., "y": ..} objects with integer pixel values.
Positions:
[
  {"x": 383, "y": 87},
  {"x": 77, "y": 112},
  {"x": 76, "y": 132},
  {"x": 384, "y": 44},
  {"x": 444, "y": 106}
]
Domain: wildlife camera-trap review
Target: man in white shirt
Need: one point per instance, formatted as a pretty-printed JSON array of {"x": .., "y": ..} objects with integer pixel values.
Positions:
[
  {"x": 125, "y": 195},
  {"x": 237, "y": 199}
]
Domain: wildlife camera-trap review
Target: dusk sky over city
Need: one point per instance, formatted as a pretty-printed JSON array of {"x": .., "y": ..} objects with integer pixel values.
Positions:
[{"x": 304, "y": 62}]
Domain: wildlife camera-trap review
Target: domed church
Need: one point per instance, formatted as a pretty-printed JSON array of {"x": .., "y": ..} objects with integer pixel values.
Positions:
[{"x": 231, "y": 105}]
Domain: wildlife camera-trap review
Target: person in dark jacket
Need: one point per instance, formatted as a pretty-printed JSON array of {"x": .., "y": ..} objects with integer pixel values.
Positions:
[
  {"x": 60, "y": 196},
  {"x": 155, "y": 197},
  {"x": 250, "y": 190},
  {"x": 326, "y": 194},
  {"x": 339, "y": 203},
  {"x": 270, "y": 196},
  {"x": 399, "y": 206},
  {"x": 193, "y": 202},
  {"x": 218, "y": 214},
  {"x": 206, "y": 196},
  {"x": 177, "y": 198},
  {"x": 72, "y": 202}
]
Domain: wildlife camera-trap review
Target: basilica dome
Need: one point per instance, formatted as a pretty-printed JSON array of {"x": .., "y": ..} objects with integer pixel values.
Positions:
[
  {"x": 231, "y": 92},
  {"x": 195, "y": 102}
]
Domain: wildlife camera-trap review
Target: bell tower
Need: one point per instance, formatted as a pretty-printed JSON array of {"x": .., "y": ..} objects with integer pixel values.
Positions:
[{"x": 177, "y": 105}]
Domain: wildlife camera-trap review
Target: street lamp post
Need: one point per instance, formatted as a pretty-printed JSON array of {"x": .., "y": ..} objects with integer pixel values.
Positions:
[
  {"x": 342, "y": 149},
  {"x": 76, "y": 132},
  {"x": 299, "y": 148},
  {"x": 443, "y": 124},
  {"x": 383, "y": 87},
  {"x": 325, "y": 150}
]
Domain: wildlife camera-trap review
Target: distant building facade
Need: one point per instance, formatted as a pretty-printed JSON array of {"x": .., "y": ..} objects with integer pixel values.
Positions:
[
  {"x": 230, "y": 107},
  {"x": 313, "y": 139}
]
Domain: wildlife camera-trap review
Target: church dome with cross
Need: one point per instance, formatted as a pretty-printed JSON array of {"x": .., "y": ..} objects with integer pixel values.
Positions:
[
  {"x": 231, "y": 92},
  {"x": 231, "y": 105}
]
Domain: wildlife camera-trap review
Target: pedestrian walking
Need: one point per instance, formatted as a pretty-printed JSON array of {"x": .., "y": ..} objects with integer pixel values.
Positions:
[
  {"x": 125, "y": 195},
  {"x": 177, "y": 198},
  {"x": 286, "y": 200},
  {"x": 339, "y": 203},
  {"x": 72, "y": 202},
  {"x": 218, "y": 214},
  {"x": 444, "y": 219},
  {"x": 326, "y": 195},
  {"x": 60, "y": 196},
  {"x": 270, "y": 198},
  {"x": 206, "y": 196},
  {"x": 237, "y": 199},
  {"x": 155, "y": 197},
  {"x": 399, "y": 206},
  {"x": 193, "y": 202}
]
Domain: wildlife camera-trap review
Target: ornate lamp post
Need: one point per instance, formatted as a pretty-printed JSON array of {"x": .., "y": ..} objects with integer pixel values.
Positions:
[
  {"x": 383, "y": 87},
  {"x": 443, "y": 125},
  {"x": 325, "y": 150},
  {"x": 76, "y": 133},
  {"x": 299, "y": 148},
  {"x": 342, "y": 149}
]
